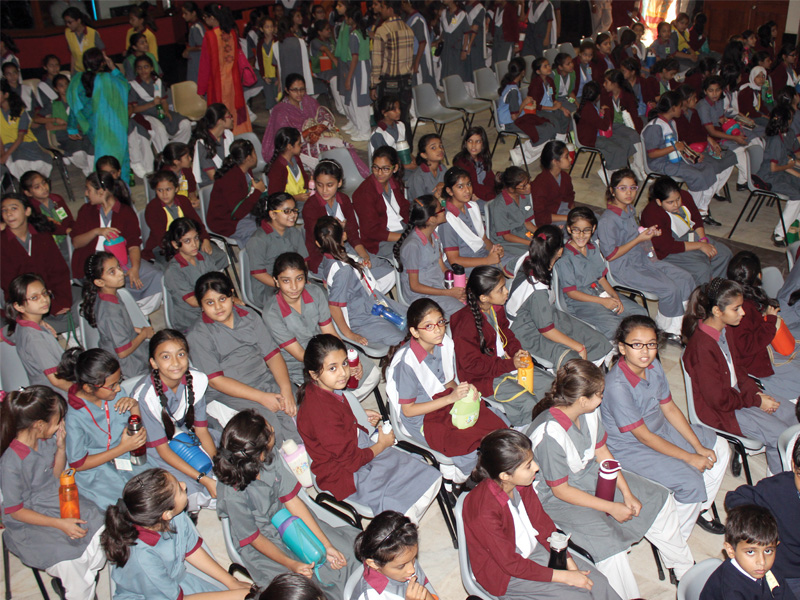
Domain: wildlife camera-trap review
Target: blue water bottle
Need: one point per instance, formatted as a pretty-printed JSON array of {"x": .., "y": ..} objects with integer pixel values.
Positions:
[
  {"x": 387, "y": 313},
  {"x": 670, "y": 140}
]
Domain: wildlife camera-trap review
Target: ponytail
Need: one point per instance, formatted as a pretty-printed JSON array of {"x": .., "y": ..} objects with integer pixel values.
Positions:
[
  {"x": 103, "y": 180},
  {"x": 501, "y": 451},
  {"x": 482, "y": 281},
  {"x": 575, "y": 379},
  {"x": 239, "y": 152},
  {"x": 93, "y": 269},
  {"x": 718, "y": 292},
  {"x": 422, "y": 209},
  {"x": 328, "y": 233},
  {"x": 19, "y": 410}
]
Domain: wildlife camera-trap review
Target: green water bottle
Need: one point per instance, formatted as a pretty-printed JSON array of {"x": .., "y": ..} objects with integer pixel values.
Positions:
[{"x": 160, "y": 111}]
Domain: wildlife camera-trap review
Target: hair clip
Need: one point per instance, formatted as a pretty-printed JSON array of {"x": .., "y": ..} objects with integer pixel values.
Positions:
[
  {"x": 2, "y": 396},
  {"x": 542, "y": 236}
]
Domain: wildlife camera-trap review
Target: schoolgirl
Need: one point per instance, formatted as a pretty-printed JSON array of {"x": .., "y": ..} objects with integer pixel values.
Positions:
[
  {"x": 353, "y": 79},
  {"x": 455, "y": 33},
  {"x": 52, "y": 207},
  {"x": 292, "y": 586},
  {"x": 172, "y": 400},
  {"x": 423, "y": 37},
  {"x": 749, "y": 98},
  {"x": 487, "y": 351},
  {"x": 660, "y": 81},
  {"x": 428, "y": 176},
  {"x": 145, "y": 96},
  {"x": 698, "y": 37},
  {"x": 619, "y": 97},
  {"x": 679, "y": 40},
  {"x": 603, "y": 59},
  {"x": 511, "y": 214},
  {"x": 276, "y": 216},
  {"x": 390, "y": 130},
  {"x": 476, "y": 160},
  {"x": 254, "y": 484},
  {"x": 80, "y": 36},
  {"x": 56, "y": 115},
  {"x": 725, "y": 396},
  {"x": 98, "y": 445},
  {"x": 265, "y": 61},
  {"x": 103, "y": 310},
  {"x": 648, "y": 433},
  {"x": 626, "y": 47},
  {"x": 581, "y": 273},
  {"x": 108, "y": 215},
  {"x": 319, "y": 46},
  {"x": 142, "y": 23},
  {"x": 380, "y": 203},
  {"x": 582, "y": 65},
  {"x": 187, "y": 260},
  {"x": 661, "y": 47},
  {"x": 631, "y": 70},
  {"x": 564, "y": 77},
  {"x": 388, "y": 548},
  {"x": 27, "y": 246},
  {"x": 292, "y": 51},
  {"x": 551, "y": 191},
  {"x": 353, "y": 291},
  {"x": 211, "y": 140},
  {"x": 508, "y": 531},
  {"x": 285, "y": 172},
  {"x": 139, "y": 48},
  {"x": 345, "y": 460},
  {"x": 27, "y": 302},
  {"x": 297, "y": 312},
  {"x": 32, "y": 458},
  {"x": 767, "y": 35},
  {"x": 542, "y": 329},
  {"x": 569, "y": 444},
  {"x": 694, "y": 78},
  {"x": 595, "y": 123},
  {"x": 177, "y": 157},
  {"x": 784, "y": 72},
  {"x": 419, "y": 257},
  {"x": 683, "y": 241},
  {"x": 234, "y": 194},
  {"x": 779, "y": 375},
  {"x": 194, "y": 40},
  {"x": 505, "y": 34},
  {"x": 19, "y": 148},
  {"x": 12, "y": 75},
  {"x": 543, "y": 91},
  {"x": 632, "y": 257},
  {"x": 541, "y": 28},
  {"x": 149, "y": 539},
  {"x": 8, "y": 49},
  {"x": 779, "y": 169}
]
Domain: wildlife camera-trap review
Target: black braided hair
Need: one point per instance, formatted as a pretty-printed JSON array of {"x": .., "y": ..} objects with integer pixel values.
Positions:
[
  {"x": 422, "y": 209},
  {"x": 93, "y": 269},
  {"x": 159, "y": 338},
  {"x": 482, "y": 281}
]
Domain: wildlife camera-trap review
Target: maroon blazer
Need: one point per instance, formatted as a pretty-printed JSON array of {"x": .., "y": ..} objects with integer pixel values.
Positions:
[
  {"x": 651, "y": 88},
  {"x": 278, "y": 175},
  {"x": 371, "y": 211},
  {"x": 156, "y": 219},
  {"x": 313, "y": 209},
  {"x": 600, "y": 66},
  {"x": 576, "y": 68},
  {"x": 695, "y": 81},
  {"x": 696, "y": 40},
  {"x": 714, "y": 399},
  {"x": 471, "y": 364},
  {"x": 779, "y": 76},
  {"x": 486, "y": 190},
  {"x": 489, "y": 529},
  {"x": 628, "y": 102},
  {"x": 58, "y": 201},
  {"x": 746, "y": 98},
  {"x": 665, "y": 244},
  {"x": 751, "y": 339},
  {"x": 548, "y": 195},
  {"x": 45, "y": 260},
  {"x": 691, "y": 129},
  {"x": 536, "y": 88},
  {"x": 123, "y": 217},
  {"x": 591, "y": 122},
  {"x": 228, "y": 190}
]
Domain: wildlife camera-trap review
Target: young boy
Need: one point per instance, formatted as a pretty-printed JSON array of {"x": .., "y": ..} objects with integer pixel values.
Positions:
[{"x": 751, "y": 539}]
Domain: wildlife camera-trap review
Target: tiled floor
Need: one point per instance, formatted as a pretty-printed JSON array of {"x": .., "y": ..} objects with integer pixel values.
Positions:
[{"x": 437, "y": 555}]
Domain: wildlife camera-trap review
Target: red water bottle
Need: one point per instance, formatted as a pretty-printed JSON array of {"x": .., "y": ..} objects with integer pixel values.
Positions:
[
  {"x": 68, "y": 499},
  {"x": 353, "y": 361},
  {"x": 139, "y": 455}
]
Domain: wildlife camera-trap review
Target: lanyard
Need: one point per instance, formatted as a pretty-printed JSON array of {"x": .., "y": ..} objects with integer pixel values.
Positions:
[
  {"x": 108, "y": 423},
  {"x": 496, "y": 326}
]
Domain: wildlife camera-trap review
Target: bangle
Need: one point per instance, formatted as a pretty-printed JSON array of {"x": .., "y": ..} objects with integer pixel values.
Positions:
[
  {"x": 704, "y": 239},
  {"x": 200, "y": 475}
]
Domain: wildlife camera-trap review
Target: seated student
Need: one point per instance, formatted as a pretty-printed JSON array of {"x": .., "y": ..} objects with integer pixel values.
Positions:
[
  {"x": 319, "y": 46},
  {"x": 626, "y": 47},
  {"x": 286, "y": 172},
  {"x": 177, "y": 157},
  {"x": 254, "y": 484},
  {"x": 475, "y": 159},
  {"x": 234, "y": 194},
  {"x": 679, "y": 41},
  {"x": 27, "y": 246},
  {"x": 582, "y": 65},
  {"x": 100, "y": 455},
  {"x": 508, "y": 531},
  {"x": 12, "y": 75},
  {"x": 19, "y": 149},
  {"x": 51, "y": 207},
  {"x": 694, "y": 78},
  {"x": 751, "y": 545},
  {"x": 149, "y": 539},
  {"x": 210, "y": 143},
  {"x": 569, "y": 458},
  {"x": 142, "y": 23},
  {"x": 780, "y": 494},
  {"x": 380, "y": 203},
  {"x": 487, "y": 351},
  {"x": 779, "y": 375},
  {"x": 650, "y": 436},
  {"x": 660, "y": 81},
  {"x": 419, "y": 257},
  {"x": 749, "y": 98},
  {"x": 542, "y": 90},
  {"x": 698, "y": 38},
  {"x": 109, "y": 164},
  {"x": 428, "y": 176},
  {"x": 603, "y": 59},
  {"x": 789, "y": 298},
  {"x": 632, "y": 72},
  {"x": 582, "y": 274},
  {"x": 564, "y": 78},
  {"x": 8, "y": 48},
  {"x": 138, "y": 47},
  {"x": 32, "y": 458},
  {"x": 265, "y": 58},
  {"x": 551, "y": 191},
  {"x": 511, "y": 215},
  {"x": 345, "y": 460},
  {"x": 725, "y": 397},
  {"x": 187, "y": 260},
  {"x": 296, "y": 312},
  {"x": 784, "y": 73},
  {"x": 541, "y": 328},
  {"x": 244, "y": 364},
  {"x": 662, "y": 47},
  {"x": 619, "y": 96},
  {"x": 683, "y": 241},
  {"x": 389, "y": 130}
]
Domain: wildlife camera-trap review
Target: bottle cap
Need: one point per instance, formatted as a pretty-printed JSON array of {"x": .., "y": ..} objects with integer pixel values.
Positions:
[
  {"x": 134, "y": 419},
  {"x": 289, "y": 447},
  {"x": 352, "y": 354},
  {"x": 67, "y": 477},
  {"x": 448, "y": 275},
  {"x": 458, "y": 269}
]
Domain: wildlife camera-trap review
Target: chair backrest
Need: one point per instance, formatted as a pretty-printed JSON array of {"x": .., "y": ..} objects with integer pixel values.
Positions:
[
  {"x": 754, "y": 154},
  {"x": 425, "y": 99},
  {"x": 467, "y": 576},
  {"x": 501, "y": 128},
  {"x": 692, "y": 583},
  {"x": 791, "y": 252},
  {"x": 568, "y": 48},
  {"x": 486, "y": 83},
  {"x": 560, "y": 304},
  {"x": 771, "y": 281},
  {"x": 168, "y": 304},
  {"x": 786, "y": 442},
  {"x": 358, "y": 411},
  {"x": 149, "y": 194},
  {"x": 186, "y": 100},
  {"x": 253, "y": 139},
  {"x": 245, "y": 284},
  {"x": 352, "y": 178},
  {"x": 205, "y": 200},
  {"x": 352, "y": 581},
  {"x": 12, "y": 371},
  {"x": 551, "y": 53},
  {"x": 528, "y": 66},
  {"x": 89, "y": 335},
  {"x": 500, "y": 69},
  {"x": 687, "y": 383},
  {"x": 145, "y": 228},
  {"x": 398, "y": 286},
  {"x": 233, "y": 549},
  {"x": 138, "y": 318},
  {"x": 454, "y": 90}
]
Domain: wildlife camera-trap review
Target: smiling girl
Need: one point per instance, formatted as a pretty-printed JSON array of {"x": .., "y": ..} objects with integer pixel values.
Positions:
[{"x": 476, "y": 160}]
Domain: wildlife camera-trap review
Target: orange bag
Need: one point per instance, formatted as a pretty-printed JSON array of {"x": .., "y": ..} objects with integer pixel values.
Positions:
[{"x": 783, "y": 342}]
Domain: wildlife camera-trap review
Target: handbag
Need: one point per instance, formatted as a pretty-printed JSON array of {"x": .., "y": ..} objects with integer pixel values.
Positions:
[{"x": 246, "y": 70}]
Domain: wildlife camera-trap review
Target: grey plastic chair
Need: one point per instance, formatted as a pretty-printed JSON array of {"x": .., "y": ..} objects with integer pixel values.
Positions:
[
  {"x": 148, "y": 191},
  {"x": 467, "y": 576},
  {"x": 551, "y": 53},
  {"x": 169, "y": 308},
  {"x": 754, "y": 155},
  {"x": 430, "y": 109},
  {"x": 591, "y": 151},
  {"x": 253, "y": 138},
  {"x": 650, "y": 174},
  {"x": 352, "y": 178},
  {"x": 568, "y": 48},
  {"x": 500, "y": 69},
  {"x": 12, "y": 371},
  {"x": 245, "y": 283},
  {"x": 352, "y": 582},
  {"x": 791, "y": 252},
  {"x": 771, "y": 281},
  {"x": 692, "y": 583},
  {"x": 502, "y": 132},
  {"x": 631, "y": 292},
  {"x": 456, "y": 96},
  {"x": 528, "y": 69},
  {"x": 89, "y": 335},
  {"x": 204, "y": 193},
  {"x": 143, "y": 226},
  {"x": 783, "y": 446},
  {"x": 486, "y": 84},
  {"x": 138, "y": 318}
]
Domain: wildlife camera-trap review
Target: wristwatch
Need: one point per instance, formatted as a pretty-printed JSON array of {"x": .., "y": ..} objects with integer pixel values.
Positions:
[{"x": 200, "y": 476}]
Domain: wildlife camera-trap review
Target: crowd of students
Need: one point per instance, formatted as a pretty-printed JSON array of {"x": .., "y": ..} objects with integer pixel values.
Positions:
[{"x": 469, "y": 277}]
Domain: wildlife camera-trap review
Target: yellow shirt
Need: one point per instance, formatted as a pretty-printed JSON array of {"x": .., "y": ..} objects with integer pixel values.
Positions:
[
  {"x": 77, "y": 48},
  {"x": 151, "y": 40},
  {"x": 266, "y": 61},
  {"x": 294, "y": 185},
  {"x": 169, "y": 215},
  {"x": 9, "y": 131}
]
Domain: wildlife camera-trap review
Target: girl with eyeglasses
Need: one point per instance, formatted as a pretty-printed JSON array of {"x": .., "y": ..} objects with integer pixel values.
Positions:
[
  {"x": 785, "y": 73},
  {"x": 650, "y": 435},
  {"x": 422, "y": 387},
  {"x": 511, "y": 215},
  {"x": 98, "y": 444},
  {"x": 629, "y": 252}
]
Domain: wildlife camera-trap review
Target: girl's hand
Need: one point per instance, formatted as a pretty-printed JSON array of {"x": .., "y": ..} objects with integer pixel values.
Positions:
[
  {"x": 302, "y": 569},
  {"x": 768, "y": 404},
  {"x": 210, "y": 484},
  {"x": 133, "y": 277},
  {"x": 458, "y": 292},
  {"x": 416, "y": 591},
  {"x": 288, "y": 405},
  {"x": 61, "y": 436},
  {"x": 621, "y": 512},
  {"x": 272, "y": 401},
  {"x": 772, "y": 310},
  {"x": 195, "y": 200},
  {"x": 499, "y": 250},
  {"x": 49, "y": 328},
  {"x": 582, "y": 352},
  {"x": 649, "y": 234},
  {"x": 72, "y": 136},
  {"x": 679, "y": 146},
  {"x": 132, "y": 442},
  {"x": 461, "y": 391},
  {"x": 373, "y": 417},
  {"x": 740, "y": 139},
  {"x": 357, "y": 372},
  {"x": 578, "y": 579},
  {"x": 125, "y": 404},
  {"x": 185, "y": 53},
  {"x": 147, "y": 331},
  {"x": 517, "y": 358},
  {"x": 72, "y": 528},
  {"x": 302, "y": 198},
  {"x": 259, "y": 185},
  {"x": 699, "y": 462},
  {"x": 359, "y": 339},
  {"x": 366, "y": 262},
  {"x": 108, "y": 232},
  {"x": 610, "y": 303},
  {"x": 633, "y": 503},
  {"x": 708, "y": 250},
  {"x": 557, "y": 105},
  {"x": 335, "y": 558},
  {"x": 109, "y": 62},
  {"x": 206, "y": 246}
]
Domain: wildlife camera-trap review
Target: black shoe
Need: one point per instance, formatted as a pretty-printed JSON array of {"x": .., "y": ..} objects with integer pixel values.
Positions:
[
  {"x": 675, "y": 339},
  {"x": 740, "y": 187},
  {"x": 58, "y": 588},
  {"x": 193, "y": 517},
  {"x": 721, "y": 198},
  {"x": 778, "y": 242},
  {"x": 736, "y": 465},
  {"x": 709, "y": 220},
  {"x": 713, "y": 526}
]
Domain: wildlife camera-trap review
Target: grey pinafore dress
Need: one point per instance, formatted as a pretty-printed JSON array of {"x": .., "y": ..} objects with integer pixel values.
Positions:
[{"x": 422, "y": 257}]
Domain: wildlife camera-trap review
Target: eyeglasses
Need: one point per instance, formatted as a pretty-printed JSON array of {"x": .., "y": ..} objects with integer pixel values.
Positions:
[
  {"x": 287, "y": 211},
  {"x": 432, "y": 326},
  {"x": 115, "y": 387},
  {"x": 640, "y": 345},
  {"x": 587, "y": 231},
  {"x": 625, "y": 188},
  {"x": 384, "y": 170},
  {"x": 35, "y": 297},
  {"x": 298, "y": 90},
  {"x": 522, "y": 186}
]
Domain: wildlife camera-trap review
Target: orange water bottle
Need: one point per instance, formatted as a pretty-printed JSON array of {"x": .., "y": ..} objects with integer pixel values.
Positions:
[
  {"x": 68, "y": 496},
  {"x": 525, "y": 373}
]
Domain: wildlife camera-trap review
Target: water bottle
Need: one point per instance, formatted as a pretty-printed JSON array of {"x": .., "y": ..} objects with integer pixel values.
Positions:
[
  {"x": 448, "y": 280},
  {"x": 403, "y": 152},
  {"x": 399, "y": 321},
  {"x": 525, "y": 373},
  {"x": 650, "y": 60},
  {"x": 459, "y": 276},
  {"x": 68, "y": 499},
  {"x": 160, "y": 111},
  {"x": 139, "y": 455},
  {"x": 558, "y": 550},
  {"x": 296, "y": 457},
  {"x": 353, "y": 361},
  {"x": 671, "y": 140},
  {"x": 766, "y": 93}
]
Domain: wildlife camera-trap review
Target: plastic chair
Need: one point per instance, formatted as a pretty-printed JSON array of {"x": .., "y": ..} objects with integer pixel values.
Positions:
[
  {"x": 754, "y": 154},
  {"x": 138, "y": 318},
  {"x": 143, "y": 226},
  {"x": 771, "y": 281},
  {"x": 456, "y": 96},
  {"x": 591, "y": 150},
  {"x": 187, "y": 102},
  {"x": 352, "y": 581},
  {"x": 7, "y": 575},
  {"x": 205, "y": 201},
  {"x": 650, "y": 174},
  {"x": 694, "y": 580},
  {"x": 486, "y": 85},
  {"x": 741, "y": 445},
  {"x": 467, "y": 576},
  {"x": 398, "y": 279},
  {"x": 551, "y": 53},
  {"x": 500, "y": 69},
  {"x": 149, "y": 194},
  {"x": 430, "y": 109},
  {"x": 352, "y": 178},
  {"x": 502, "y": 132},
  {"x": 245, "y": 283},
  {"x": 376, "y": 350},
  {"x": 631, "y": 292},
  {"x": 89, "y": 335},
  {"x": 791, "y": 252},
  {"x": 204, "y": 194},
  {"x": 253, "y": 139},
  {"x": 12, "y": 371},
  {"x": 529, "y": 58},
  {"x": 784, "y": 448},
  {"x": 169, "y": 307},
  {"x": 568, "y": 48}
]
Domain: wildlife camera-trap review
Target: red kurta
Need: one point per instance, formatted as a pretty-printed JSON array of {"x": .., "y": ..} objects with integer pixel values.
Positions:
[
  {"x": 123, "y": 217},
  {"x": 228, "y": 190},
  {"x": 371, "y": 211}
]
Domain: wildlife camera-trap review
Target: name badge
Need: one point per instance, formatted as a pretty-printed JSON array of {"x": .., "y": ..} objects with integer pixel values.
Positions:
[
  {"x": 61, "y": 213},
  {"x": 123, "y": 464}
]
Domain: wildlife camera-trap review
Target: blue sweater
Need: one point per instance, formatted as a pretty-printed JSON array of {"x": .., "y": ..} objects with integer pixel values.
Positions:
[{"x": 729, "y": 583}]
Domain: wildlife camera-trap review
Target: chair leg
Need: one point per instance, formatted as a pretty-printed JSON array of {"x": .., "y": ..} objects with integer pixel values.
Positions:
[
  {"x": 657, "y": 558},
  {"x": 62, "y": 168},
  {"x": 574, "y": 162},
  {"x": 522, "y": 151},
  {"x": 499, "y": 135},
  {"x": 745, "y": 465},
  {"x": 382, "y": 408},
  {"x": 641, "y": 188},
  {"x": 739, "y": 218},
  {"x": 38, "y": 577},
  {"x": 756, "y": 208},
  {"x": 447, "y": 515},
  {"x": 780, "y": 213},
  {"x": 7, "y": 570}
]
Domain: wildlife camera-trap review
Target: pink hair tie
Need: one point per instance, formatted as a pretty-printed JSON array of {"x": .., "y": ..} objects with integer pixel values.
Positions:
[
  {"x": 2, "y": 396},
  {"x": 542, "y": 236}
]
